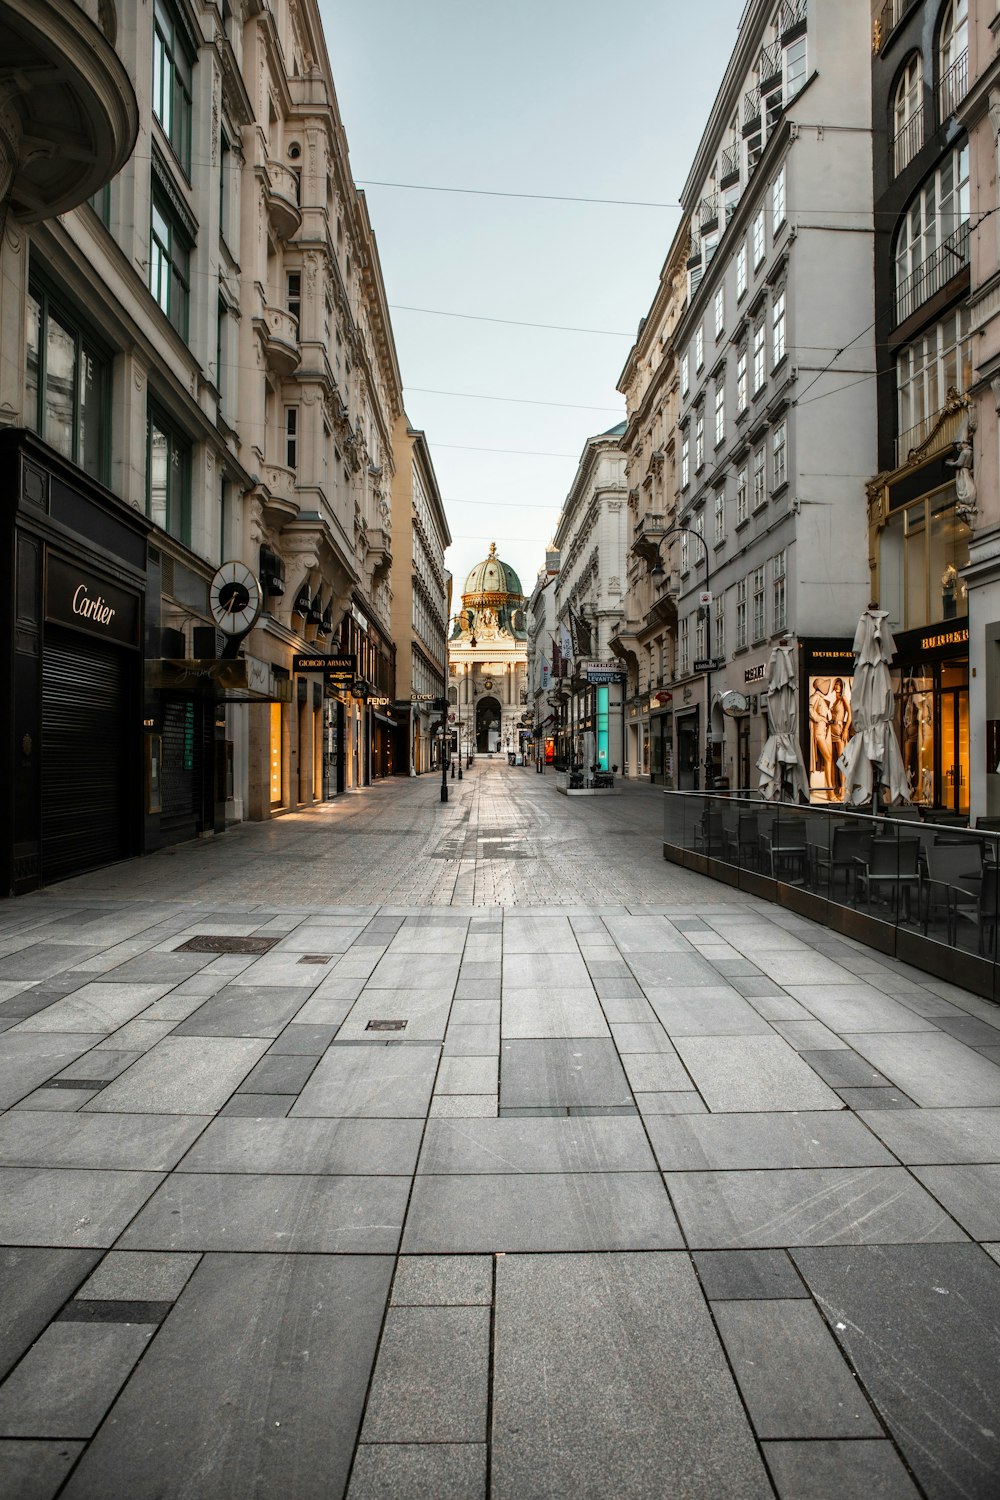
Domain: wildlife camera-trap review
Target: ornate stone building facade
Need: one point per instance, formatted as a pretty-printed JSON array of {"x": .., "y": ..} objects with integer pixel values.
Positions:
[{"x": 488, "y": 661}]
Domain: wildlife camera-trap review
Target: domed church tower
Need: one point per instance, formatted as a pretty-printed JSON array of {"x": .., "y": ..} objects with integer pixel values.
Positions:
[{"x": 488, "y": 661}]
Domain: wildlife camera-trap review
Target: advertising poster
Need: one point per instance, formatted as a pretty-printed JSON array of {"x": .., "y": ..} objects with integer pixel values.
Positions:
[{"x": 830, "y": 727}]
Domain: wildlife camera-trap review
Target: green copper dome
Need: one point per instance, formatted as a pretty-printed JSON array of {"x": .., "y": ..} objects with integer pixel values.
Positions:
[{"x": 492, "y": 577}]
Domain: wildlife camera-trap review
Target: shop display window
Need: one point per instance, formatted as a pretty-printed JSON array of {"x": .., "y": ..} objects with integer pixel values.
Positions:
[
  {"x": 922, "y": 551},
  {"x": 831, "y": 725}
]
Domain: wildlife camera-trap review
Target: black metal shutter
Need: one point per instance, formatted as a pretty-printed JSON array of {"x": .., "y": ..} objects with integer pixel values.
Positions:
[
  {"x": 181, "y": 768},
  {"x": 84, "y": 781}
]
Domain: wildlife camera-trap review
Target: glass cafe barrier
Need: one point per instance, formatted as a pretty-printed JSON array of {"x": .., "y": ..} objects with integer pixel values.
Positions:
[{"x": 928, "y": 893}]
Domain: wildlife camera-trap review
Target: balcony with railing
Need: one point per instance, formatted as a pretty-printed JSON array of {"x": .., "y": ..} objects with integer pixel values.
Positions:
[
  {"x": 751, "y": 110},
  {"x": 950, "y": 257},
  {"x": 279, "y": 334},
  {"x": 649, "y": 530},
  {"x": 730, "y": 165},
  {"x": 793, "y": 14},
  {"x": 283, "y": 199},
  {"x": 770, "y": 67},
  {"x": 907, "y": 141},
  {"x": 708, "y": 213},
  {"x": 890, "y": 16},
  {"x": 953, "y": 86}
]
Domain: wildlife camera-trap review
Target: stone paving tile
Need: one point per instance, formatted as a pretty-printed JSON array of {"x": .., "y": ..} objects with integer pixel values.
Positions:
[
  {"x": 752, "y": 1073},
  {"x": 290, "y": 1422},
  {"x": 756, "y": 1141},
  {"x": 463, "y": 1107},
  {"x": 938, "y": 1137},
  {"x": 99, "y": 1066},
  {"x": 821, "y": 1206},
  {"x": 716, "y": 1013},
  {"x": 746, "y": 1275},
  {"x": 577, "y": 1144},
  {"x": 850, "y": 1470},
  {"x": 419, "y": 1471},
  {"x": 139, "y": 1276},
  {"x": 244, "y": 1011},
  {"x": 463, "y": 1040},
  {"x": 858, "y": 1008},
  {"x": 875, "y": 1098},
  {"x": 34, "y": 1469},
  {"x": 573, "y": 1071},
  {"x": 323, "y": 1215},
  {"x": 182, "y": 1075},
  {"x": 842, "y": 1068},
  {"x": 671, "y": 1102},
  {"x": 554, "y": 1014},
  {"x": 36, "y": 1282},
  {"x": 971, "y": 1194},
  {"x": 918, "y": 1323},
  {"x": 307, "y": 1147},
  {"x": 431, "y": 1377},
  {"x": 808, "y": 1036},
  {"x": 425, "y": 1013},
  {"x": 45, "y": 1397},
  {"x": 76, "y": 1207},
  {"x": 655, "y": 1072},
  {"x": 370, "y": 1082},
  {"x": 443, "y": 1281},
  {"x": 935, "y": 1071},
  {"x": 152, "y": 1143},
  {"x": 278, "y": 1073},
  {"x": 791, "y": 1374},
  {"x": 28, "y": 1059},
  {"x": 641, "y": 1036},
  {"x": 563, "y": 1424},
  {"x": 553, "y": 1211},
  {"x": 467, "y": 1075}
]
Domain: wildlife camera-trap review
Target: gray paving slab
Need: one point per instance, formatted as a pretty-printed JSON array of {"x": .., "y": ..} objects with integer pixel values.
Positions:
[
  {"x": 671, "y": 1102},
  {"x": 349, "y": 1147},
  {"x": 95, "y": 1007},
  {"x": 331, "y": 1002},
  {"x": 278, "y": 1073},
  {"x": 806, "y": 1036},
  {"x": 411, "y": 971},
  {"x": 523, "y": 933},
  {"x": 240, "y": 1332},
  {"x": 303, "y": 1041},
  {"x": 875, "y": 1098},
  {"x": 43, "y": 1206},
  {"x": 552, "y": 1013},
  {"x": 771, "y": 1002},
  {"x": 48, "y": 1098},
  {"x": 100, "y": 1065},
  {"x": 370, "y": 1082},
  {"x": 813, "y": 1138},
  {"x": 792, "y": 1375},
  {"x": 655, "y": 1072},
  {"x": 940, "y": 1136},
  {"x": 190, "y": 1075},
  {"x": 969, "y": 1029},
  {"x": 475, "y": 1012},
  {"x": 258, "y": 1106},
  {"x": 42, "y": 960},
  {"x": 918, "y": 1323},
  {"x": 750, "y": 1073},
  {"x": 577, "y": 1144},
  {"x": 808, "y": 1206},
  {"x": 424, "y": 1011},
  {"x": 138, "y": 1035},
  {"x": 443, "y": 1281},
  {"x": 581, "y": 1070},
  {"x": 935, "y": 1071},
  {"x": 35, "y": 1469},
  {"x": 551, "y": 1211},
  {"x": 635, "y": 1387},
  {"x": 467, "y": 1075},
  {"x": 661, "y": 970},
  {"x": 471, "y": 1041},
  {"x": 463, "y": 1107},
  {"x": 970, "y": 1193},
  {"x": 636, "y": 1010},
  {"x": 542, "y": 970},
  {"x": 139, "y": 1276},
  {"x": 299, "y": 1214},
  {"x": 862, "y": 1470},
  {"x": 745, "y": 1275},
  {"x": 858, "y": 1007},
  {"x": 419, "y": 1471},
  {"x": 28, "y": 1059},
  {"x": 431, "y": 1380},
  {"x": 244, "y": 1011},
  {"x": 36, "y": 1282},
  {"x": 842, "y": 1068},
  {"x": 152, "y": 1143},
  {"x": 641, "y": 1036},
  {"x": 719, "y": 1012},
  {"x": 45, "y": 1396}
]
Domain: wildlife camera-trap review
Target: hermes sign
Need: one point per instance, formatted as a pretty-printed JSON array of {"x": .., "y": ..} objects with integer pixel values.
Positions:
[{"x": 76, "y": 597}]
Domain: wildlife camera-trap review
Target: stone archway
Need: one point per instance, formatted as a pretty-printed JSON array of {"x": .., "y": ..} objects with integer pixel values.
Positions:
[{"x": 488, "y": 718}]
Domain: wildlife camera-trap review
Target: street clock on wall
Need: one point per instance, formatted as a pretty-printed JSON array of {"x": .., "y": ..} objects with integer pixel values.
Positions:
[{"x": 235, "y": 598}]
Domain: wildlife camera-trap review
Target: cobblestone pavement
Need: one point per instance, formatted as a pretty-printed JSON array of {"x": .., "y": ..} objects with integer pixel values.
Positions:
[{"x": 513, "y": 1163}]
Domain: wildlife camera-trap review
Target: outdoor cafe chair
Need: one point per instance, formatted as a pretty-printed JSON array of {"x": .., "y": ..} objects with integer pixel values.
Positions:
[
  {"x": 892, "y": 865},
  {"x": 979, "y": 908}
]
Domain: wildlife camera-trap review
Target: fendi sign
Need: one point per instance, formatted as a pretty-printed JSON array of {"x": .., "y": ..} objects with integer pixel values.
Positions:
[{"x": 76, "y": 597}]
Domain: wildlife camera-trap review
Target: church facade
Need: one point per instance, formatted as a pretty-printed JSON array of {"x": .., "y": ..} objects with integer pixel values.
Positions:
[{"x": 488, "y": 662}]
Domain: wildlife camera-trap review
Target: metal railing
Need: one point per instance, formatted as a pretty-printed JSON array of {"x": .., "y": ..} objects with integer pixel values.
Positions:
[
  {"x": 953, "y": 87},
  {"x": 751, "y": 106},
  {"x": 933, "y": 272},
  {"x": 770, "y": 64},
  {"x": 907, "y": 141},
  {"x": 891, "y": 14},
  {"x": 730, "y": 163},
  {"x": 948, "y": 425},
  {"x": 793, "y": 13},
  {"x": 708, "y": 211}
]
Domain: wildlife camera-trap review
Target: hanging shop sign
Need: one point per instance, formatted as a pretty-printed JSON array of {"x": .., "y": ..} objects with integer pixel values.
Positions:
[
  {"x": 76, "y": 597},
  {"x": 604, "y": 672},
  {"x": 755, "y": 674}
]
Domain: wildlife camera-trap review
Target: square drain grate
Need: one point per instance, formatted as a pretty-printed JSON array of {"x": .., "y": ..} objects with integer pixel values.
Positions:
[
  {"x": 386, "y": 1026},
  {"x": 209, "y": 943},
  {"x": 315, "y": 958}
]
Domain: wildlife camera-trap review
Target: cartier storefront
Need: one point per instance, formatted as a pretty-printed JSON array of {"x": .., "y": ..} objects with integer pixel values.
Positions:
[{"x": 73, "y": 578}]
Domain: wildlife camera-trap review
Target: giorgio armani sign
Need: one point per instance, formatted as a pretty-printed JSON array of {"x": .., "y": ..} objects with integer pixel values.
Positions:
[{"x": 77, "y": 597}]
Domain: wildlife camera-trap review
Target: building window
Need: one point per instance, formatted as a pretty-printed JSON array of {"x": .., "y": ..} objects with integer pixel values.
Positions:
[
  {"x": 685, "y": 373},
  {"x": 683, "y": 648},
  {"x": 742, "y": 393},
  {"x": 741, "y": 614},
  {"x": 939, "y": 360},
  {"x": 685, "y": 461},
  {"x": 699, "y": 439},
  {"x": 720, "y": 410},
  {"x": 172, "y": 62},
  {"x": 908, "y": 114},
  {"x": 741, "y": 271},
  {"x": 759, "y": 612},
  {"x": 795, "y": 67},
  {"x": 169, "y": 263},
  {"x": 719, "y": 625},
  {"x": 168, "y": 477},
  {"x": 757, "y": 234},
  {"x": 933, "y": 240},
  {"x": 67, "y": 384},
  {"x": 778, "y": 329},
  {"x": 720, "y": 516},
  {"x": 720, "y": 310},
  {"x": 685, "y": 551},
  {"x": 779, "y": 610},
  {"x": 758, "y": 356},
  {"x": 759, "y": 486},
  {"x": 953, "y": 58},
  {"x": 742, "y": 502},
  {"x": 778, "y": 201},
  {"x": 779, "y": 449},
  {"x": 291, "y": 437},
  {"x": 699, "y": 348},
  {"x": 293, "y": 294}
]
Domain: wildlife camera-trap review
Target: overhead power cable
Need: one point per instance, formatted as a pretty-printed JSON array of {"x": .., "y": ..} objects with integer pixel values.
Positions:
[
  {"x": 439, "y": 312},
  {"x": 524, "y": 452},
  {"x": 426, "y": 390}
]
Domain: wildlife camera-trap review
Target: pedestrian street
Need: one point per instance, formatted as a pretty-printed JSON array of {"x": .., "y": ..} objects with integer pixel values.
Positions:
[{"x": 408, "y": 1149}]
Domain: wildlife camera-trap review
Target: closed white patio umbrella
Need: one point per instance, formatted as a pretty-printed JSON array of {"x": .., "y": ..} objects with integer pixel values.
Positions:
[
  {"x": 872, "y": 757},
  {"x": 782, "y": 769}
]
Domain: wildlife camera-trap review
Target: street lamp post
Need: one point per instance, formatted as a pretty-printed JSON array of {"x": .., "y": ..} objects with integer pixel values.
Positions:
[{"x": 657, "y": 571}]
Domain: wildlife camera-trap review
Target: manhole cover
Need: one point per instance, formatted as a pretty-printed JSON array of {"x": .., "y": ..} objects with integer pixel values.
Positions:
[
  {"x": 208, "y": 943},
  {"x": 315, "y": 958},
  {"x": 386, "y": 1026}
]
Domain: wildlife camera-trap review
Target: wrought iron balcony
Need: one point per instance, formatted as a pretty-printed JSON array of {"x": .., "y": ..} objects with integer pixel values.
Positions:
[
  {"x": 953, "y": 87},
  {"x": 708, "y": 213},
  {"x": 770, "y": 67},
  {"x": 751, "y": 110},
  {"x": 932, "y": 273},
  {"x": 730, "y": 165},
  {"x": 907, "y": 141},
  {"x": 793, "y": 13},
  {"x": 890, "y": 16}
]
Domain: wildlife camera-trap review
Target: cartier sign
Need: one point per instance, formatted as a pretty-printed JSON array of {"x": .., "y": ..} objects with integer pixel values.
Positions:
[{"x": 74, "y": 596}]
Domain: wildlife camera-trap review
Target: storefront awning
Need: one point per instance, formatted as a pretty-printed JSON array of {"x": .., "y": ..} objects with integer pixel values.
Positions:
[{"x": 240, "y": 679}]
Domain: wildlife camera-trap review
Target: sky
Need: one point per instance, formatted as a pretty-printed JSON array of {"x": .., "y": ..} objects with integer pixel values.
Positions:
[{"x": 571, "y": 98}]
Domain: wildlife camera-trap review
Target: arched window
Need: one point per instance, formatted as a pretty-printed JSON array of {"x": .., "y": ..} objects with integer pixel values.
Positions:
[
  {"x": 933, "y": 240},
  {"x": 908, "y": 114},
  {"x": 953, "y": 57}
]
